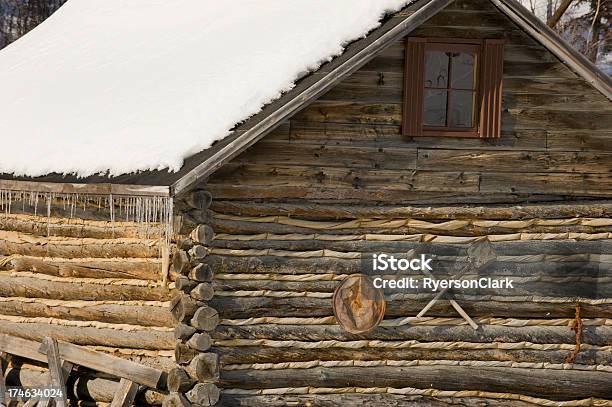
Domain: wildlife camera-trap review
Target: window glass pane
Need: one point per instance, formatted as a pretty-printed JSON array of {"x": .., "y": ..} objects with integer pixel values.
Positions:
[
  {"x": 461, "y": 109},
  {"x": 436, "y": 69},
  {"x": 462, "y": 71},
  {"x": 434, "y": 108}
]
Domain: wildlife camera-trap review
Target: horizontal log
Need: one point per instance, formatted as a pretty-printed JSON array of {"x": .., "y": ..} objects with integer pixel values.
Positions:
[
  {"x": 204, "y": 367},
  {"x": 247, "y": 307},
  {"x": 262, "y": 354},
  {"x": 352, "y": 399},
  {"x": 183, "y": 354},
  {"x": 202, "y": 292},
  {"x": 312, "y": 211},
  {"x": 144, "y": 269},
  {"x": 205, "y": 319},
  {"x": 181, "y": 262},
  {"x": 30, "y": 245},
  {"x": 201, "y": 272},
  {"x": 594, "y": 335},
  {"x": 204, "y": 394},
  {"x": 182, "y": 307},
  {"x": 76, "y": 228},
  {"x": 84, "y": 335},
  {"x": 197, "y": 199},
  {"x": 183, "y": 332},
  {"x": 584, "y": 264},
  {"x": 504, "y": 249},
  {"x": 184, "y": 284},
  {"x": 273, "y": 264},
  {"x": 548, "y": 286},
  {"x": 200, "y": 342},
  {"x": 24, "y": 285},
  {"x": 202, "y": 234},
  {"x": 85, "y": 387},
  {"x": 179, "y": 380},
  {"x": 144, "y": 315},
  {"x": 533, "y": 382}
]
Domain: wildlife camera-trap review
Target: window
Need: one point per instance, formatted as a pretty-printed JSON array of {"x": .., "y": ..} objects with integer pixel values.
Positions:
[{"x": 453, "y": 88}]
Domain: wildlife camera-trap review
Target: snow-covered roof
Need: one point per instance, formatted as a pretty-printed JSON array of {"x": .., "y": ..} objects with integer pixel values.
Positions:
[{"x": 120, "y": 86}]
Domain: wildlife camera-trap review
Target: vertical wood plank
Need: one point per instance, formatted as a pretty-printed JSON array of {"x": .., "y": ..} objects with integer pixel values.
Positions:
[
  {"x": 125, "y": 395},
  {"x": 56, "y": 371}
]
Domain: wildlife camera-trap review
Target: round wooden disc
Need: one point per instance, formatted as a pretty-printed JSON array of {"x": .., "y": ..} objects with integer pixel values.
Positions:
[{"x": 358, "y": 305}]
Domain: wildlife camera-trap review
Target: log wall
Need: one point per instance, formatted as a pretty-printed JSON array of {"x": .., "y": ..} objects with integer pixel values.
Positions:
[
  {"x": 95, "y": 283},
  {"x": 294, "y": 214}
]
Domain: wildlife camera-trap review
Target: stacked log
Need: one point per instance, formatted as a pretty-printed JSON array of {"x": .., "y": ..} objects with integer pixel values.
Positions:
[
  {"x": 192, "y": 382},
  {"x": 88, "y": 281}
]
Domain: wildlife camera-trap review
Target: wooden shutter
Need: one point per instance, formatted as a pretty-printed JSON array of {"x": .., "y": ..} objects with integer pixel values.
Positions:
[
  {"x": 412, "y": 121},
  {"x": 491, "y": 68}
]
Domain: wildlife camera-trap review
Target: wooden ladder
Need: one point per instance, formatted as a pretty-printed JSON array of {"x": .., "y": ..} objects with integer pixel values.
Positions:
[{"x": 61, "y": 357}]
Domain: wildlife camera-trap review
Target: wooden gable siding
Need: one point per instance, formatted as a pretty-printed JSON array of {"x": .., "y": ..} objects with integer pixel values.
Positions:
[{"x": 556, "y": 132}]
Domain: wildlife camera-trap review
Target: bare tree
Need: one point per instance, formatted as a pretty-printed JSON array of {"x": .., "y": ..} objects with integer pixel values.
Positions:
[{"x": 17, "y": 17}]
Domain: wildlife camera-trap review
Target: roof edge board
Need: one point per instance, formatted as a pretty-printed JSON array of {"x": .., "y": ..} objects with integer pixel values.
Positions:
[
  {"x": 329, "y": 79},
  {"x": 92, "y": 189},
  {"x": 557, "y": 45}
]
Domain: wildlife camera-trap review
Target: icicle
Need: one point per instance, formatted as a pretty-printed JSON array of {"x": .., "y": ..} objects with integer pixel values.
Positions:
[{"x": 49, "y": 199}]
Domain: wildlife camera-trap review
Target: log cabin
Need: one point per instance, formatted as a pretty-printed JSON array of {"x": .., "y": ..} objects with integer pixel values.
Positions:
[{"x": 452, "y": 122}]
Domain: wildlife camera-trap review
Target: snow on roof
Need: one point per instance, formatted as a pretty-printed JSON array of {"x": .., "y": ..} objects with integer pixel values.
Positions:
[{"x": 119, "y": 86}]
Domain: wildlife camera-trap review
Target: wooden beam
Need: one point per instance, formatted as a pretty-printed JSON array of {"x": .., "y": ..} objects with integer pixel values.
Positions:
[
  {"x": 21, "y": 347},
  {"x": 126, "y": 394},
  {"x": 112, "y": 365},
  {"x": 93, "y": 189},
  {"x": 56, "y": 372}
]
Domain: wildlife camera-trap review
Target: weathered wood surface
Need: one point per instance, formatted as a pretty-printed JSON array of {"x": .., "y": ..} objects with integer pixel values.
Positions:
[
  {"x": 136, "y": 339},
  {"x": 144, "y": 269},
  {"x": 142, "y": 315},
  {"x": 204, "y": 394},
  {"x": 232, "y": 307},
  {"x": 30, "y": 245},
  {"x": 534, "y": 382},
  {"x": 75, "y": 228},
  {"x": 317, "y": 211},
  {"x": 379, "y": 400},
  {"x": 594, "y": 335},
  {"x": 125, "y": 394},
  {"x": 550, "y": 114},
  {"x": 262, "y": 354},
  {"x": 85, "y": 387},
  {"x": 58, "y": 381},
  {"x": 25, "y": 285}
]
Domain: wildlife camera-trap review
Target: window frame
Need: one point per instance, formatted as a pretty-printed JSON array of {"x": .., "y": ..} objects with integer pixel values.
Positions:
[
  {"x": 455, "y": 45},
  {"x": 489, "y": 88}
]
